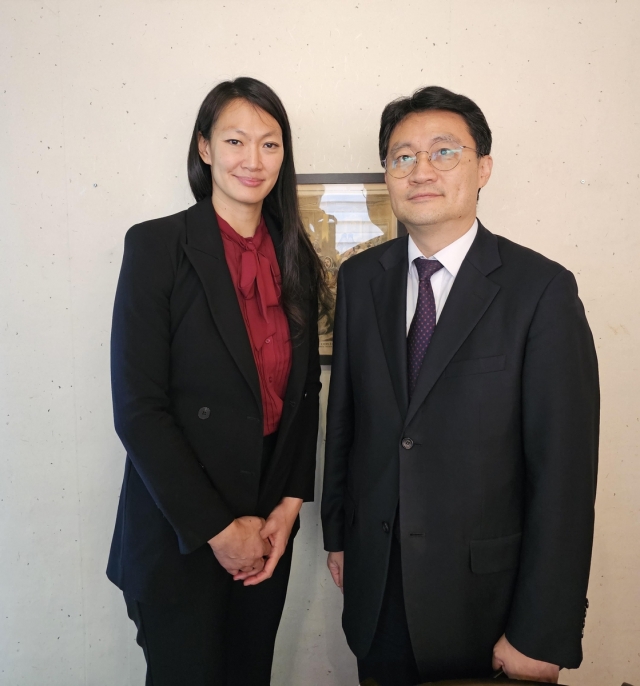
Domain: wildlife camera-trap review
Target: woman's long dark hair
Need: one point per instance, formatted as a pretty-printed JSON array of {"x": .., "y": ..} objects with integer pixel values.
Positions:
[{"x": 299, "y": 257}]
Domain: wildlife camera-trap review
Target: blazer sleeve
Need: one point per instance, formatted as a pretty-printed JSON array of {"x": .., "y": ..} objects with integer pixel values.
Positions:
[
  {"x": 140, "y": 381},
  {"x": 560, "y": 416},
  {"x": 301, "y": 482},
  {"x": 340, "y": 427}
]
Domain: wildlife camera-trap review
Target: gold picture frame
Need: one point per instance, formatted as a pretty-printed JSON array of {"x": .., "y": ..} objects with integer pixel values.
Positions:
[{"x": 344, "y": 214}]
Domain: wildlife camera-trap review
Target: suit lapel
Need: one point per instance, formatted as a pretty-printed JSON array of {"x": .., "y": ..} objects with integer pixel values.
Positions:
[
  {"x": 471, "y": 294},
  {"x": 205, "y": 251},
  {"x": 389, "y": 291}
]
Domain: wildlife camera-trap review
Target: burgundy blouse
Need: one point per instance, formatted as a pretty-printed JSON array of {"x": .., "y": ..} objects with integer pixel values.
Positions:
[{"x": 256, "y": 276}]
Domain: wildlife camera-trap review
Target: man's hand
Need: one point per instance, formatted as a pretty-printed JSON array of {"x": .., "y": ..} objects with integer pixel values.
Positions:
[
  {"x": 518, "y": 666},
  {"x": 240, "y": 547},
  {"x": 335, "y": 562},
  {"x": 275, "y": 533}
]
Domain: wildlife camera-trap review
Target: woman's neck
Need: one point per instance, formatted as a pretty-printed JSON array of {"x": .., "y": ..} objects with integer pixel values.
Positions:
[{"x": 244, "y": 219}]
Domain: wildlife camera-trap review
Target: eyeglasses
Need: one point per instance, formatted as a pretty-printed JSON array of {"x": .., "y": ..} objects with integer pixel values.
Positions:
[{"x": 442, "y": 155}]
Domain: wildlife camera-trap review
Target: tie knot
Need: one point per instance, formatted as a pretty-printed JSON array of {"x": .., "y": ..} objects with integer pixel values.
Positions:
[{"x": 426, "y": 268}]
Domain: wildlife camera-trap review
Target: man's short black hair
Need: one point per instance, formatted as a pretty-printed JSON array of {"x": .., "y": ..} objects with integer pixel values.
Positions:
[{"x": 435, "y": 98}]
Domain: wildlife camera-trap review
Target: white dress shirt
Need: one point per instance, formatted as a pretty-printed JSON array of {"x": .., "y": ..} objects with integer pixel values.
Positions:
[{"x": 450, "y": 258}]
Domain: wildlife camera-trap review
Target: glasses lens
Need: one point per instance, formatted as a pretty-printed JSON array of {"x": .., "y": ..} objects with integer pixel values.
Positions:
[
  {"x": 401, "y": 164},
  {"x": 445, "y": 155}
]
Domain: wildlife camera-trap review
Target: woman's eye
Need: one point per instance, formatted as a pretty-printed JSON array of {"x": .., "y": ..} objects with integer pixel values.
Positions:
[
  {"x": 233, "y": 141},
  {"x": 271, "y": 146}
]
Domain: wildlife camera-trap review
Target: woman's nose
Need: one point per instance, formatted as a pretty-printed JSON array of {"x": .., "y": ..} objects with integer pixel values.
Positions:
[{"x": 252, "y": 158}]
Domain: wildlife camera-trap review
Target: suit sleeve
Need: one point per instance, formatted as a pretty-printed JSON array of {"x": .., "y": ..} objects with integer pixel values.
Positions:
[
  {"x": 340, "y": 427},
  {"x": 140, "y": 376},
  {"x": 301, "y": 482},
  {"x": 560, "y": 417}
]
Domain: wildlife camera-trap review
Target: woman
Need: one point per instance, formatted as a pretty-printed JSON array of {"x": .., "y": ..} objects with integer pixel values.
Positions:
[{"x": 216, "y": 377}]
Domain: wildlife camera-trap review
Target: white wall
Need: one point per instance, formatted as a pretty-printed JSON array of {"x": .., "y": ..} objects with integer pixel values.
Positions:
[{"x": 97, "y": 102}]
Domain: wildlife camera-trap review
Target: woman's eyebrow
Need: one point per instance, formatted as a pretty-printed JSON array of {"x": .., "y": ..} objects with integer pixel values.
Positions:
[{"x": 268, "y": 134}]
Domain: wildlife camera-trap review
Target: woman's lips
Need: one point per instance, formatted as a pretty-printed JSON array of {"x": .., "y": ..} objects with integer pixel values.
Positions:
[{"x": 249, "y": 181}]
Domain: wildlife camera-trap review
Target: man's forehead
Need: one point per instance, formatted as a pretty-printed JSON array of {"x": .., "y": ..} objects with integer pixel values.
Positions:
[{"x": 430, "y": 126}]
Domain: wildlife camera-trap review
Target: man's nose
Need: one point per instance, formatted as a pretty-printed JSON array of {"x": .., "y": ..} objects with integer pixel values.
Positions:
[{"x": 424, "y": 170}]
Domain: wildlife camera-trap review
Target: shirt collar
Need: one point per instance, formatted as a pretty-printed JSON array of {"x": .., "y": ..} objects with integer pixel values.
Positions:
[
  {"x": 450, "y": 257},
  {"x": 255, "y": 242}
]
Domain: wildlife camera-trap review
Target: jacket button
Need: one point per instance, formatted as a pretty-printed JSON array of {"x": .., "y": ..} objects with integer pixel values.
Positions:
[
  {"x": 407, "y": 443},
  {"x": 204, "y": 413},
  {"x": 385, "y": 527}
]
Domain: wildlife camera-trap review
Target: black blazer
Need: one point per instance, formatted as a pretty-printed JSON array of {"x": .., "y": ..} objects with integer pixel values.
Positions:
[
  {"x": 493, "y": 461},
  {"x": 188, "y": 409}
]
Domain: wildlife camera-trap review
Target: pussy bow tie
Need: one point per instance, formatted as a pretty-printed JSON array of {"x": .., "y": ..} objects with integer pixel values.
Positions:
[{"x": 257, "y": 279}]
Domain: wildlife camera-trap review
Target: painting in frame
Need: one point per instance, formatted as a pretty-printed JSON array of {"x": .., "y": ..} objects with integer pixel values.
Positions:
[{"x": 344, "y": 214}]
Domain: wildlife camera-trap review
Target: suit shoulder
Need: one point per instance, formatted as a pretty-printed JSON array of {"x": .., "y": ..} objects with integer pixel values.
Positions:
[
  {"x": 369, "y": 257},
  {"x": 528, "y": 263},
  {"x": 167, "y": 230}
]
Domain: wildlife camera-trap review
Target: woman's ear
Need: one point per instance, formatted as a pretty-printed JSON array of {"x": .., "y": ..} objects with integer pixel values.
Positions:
[{"x": 204, "y": 148}]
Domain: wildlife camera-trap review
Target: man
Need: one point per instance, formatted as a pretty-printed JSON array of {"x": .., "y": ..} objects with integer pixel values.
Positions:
[{"x": 462, "y": 431}]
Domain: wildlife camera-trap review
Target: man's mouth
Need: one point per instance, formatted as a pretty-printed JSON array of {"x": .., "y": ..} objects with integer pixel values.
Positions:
[{"x": 425, "y": 195}]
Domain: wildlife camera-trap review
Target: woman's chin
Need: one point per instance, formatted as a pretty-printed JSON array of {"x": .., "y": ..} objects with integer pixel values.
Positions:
[{"x": 247, "y": 195}]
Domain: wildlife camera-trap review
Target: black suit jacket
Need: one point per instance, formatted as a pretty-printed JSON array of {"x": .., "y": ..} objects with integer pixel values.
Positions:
[
  {"x": 188, "y": 408},
  {"x": 493, "y": 461}
]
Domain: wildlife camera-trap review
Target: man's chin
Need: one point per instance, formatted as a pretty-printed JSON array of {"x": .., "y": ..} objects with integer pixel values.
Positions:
[{"x": 421, "y": 219}]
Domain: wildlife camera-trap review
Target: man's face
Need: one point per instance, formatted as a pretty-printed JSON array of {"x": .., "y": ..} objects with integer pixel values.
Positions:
[{"x": 428, "y": 197}]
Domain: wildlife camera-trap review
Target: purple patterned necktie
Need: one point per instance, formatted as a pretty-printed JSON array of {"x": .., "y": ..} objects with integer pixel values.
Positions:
[{"x": 424, "y": 320}]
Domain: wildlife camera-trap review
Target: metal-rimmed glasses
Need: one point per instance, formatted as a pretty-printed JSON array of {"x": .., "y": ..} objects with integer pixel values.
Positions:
[{"x": 443, "y": 155}]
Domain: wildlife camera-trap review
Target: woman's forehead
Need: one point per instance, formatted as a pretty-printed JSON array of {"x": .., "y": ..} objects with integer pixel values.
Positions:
[{"x": 241, "y": 116}]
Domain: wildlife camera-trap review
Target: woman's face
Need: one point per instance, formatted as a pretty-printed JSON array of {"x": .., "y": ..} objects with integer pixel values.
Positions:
[{"x": 245, "y": 153}]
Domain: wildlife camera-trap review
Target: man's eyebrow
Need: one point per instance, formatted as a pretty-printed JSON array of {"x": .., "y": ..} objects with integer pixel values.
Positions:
[
  {"x": 436, "y": 139},
  {"x": 444, "y": 137},
  {"x": 397, "y": 146}
]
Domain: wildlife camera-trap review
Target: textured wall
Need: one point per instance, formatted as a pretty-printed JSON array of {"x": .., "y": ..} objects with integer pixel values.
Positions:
[{"x": 97, "y": 101}]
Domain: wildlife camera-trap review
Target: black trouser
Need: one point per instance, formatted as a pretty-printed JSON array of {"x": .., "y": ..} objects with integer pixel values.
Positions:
[
  {"x": 224, "y": 637},
  {"x": 390, "y": 661}
]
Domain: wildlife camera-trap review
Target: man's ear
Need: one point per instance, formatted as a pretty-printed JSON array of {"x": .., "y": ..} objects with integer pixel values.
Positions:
[
  {"x": 204, "y": 148},
  {"x": 485, "y": 165}
]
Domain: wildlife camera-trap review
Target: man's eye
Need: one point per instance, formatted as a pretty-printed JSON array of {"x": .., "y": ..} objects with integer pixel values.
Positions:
[
  {"x": 445, "y": 152},
  {"x": 233, "y": 141},
  {"x": 402, "y": 159}
]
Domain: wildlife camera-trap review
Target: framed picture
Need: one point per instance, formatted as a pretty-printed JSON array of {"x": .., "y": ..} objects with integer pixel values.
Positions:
[{"x": 344, "y": 215}]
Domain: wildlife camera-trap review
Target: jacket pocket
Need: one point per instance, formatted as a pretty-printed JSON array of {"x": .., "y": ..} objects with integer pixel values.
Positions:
[
  {"x": 479, "y": 365},
  {"x": 495, "y": 554}
]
